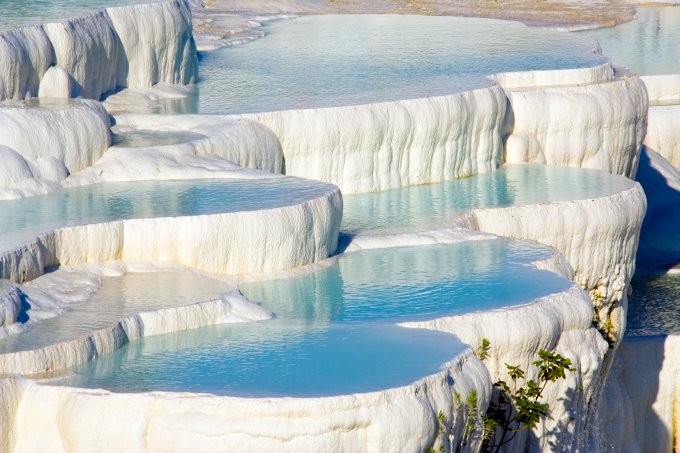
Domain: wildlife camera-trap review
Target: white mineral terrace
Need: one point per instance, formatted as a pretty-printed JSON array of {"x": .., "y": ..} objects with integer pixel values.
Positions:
[{"x": 196, "y": 281}]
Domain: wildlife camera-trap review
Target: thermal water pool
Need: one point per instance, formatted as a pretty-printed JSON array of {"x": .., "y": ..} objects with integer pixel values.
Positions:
[
  {"x": 339, "y": 310},
  {"x": 334, "y": 330},
  {"x": 433, "y": 206},
  {"x": 25, "y": 219},
  {"x": 359, "y": 59},
  {"x": 648, "y": 45}
]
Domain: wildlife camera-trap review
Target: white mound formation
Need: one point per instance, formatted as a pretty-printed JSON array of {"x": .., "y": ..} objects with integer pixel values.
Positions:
[
  {"x": 40, "y": 146},
  {"x": 130, "y": 46},
  {"x": 599, "y": 125}
]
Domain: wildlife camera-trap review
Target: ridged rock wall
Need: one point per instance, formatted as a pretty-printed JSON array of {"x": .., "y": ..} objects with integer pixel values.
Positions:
[
  {"x": 366, "y": 148},
  {"x": 131, "y": 46},
  {"x": 594, "y": 125},
  {"x": 641, "y": 403},
  {"x": 599, "y": 238},
  {"x": 400, "y": 419}
]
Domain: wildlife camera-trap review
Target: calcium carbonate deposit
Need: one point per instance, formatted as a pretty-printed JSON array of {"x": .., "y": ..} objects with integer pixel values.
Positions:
[{"x": 296, "y": 237}]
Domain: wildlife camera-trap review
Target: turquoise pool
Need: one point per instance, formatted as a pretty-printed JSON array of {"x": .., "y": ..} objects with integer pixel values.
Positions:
[
  {"x": 22, "y": 220},
  {"x": 359, "y": 59},
  {"x": 649, "y": 45},
  {"x": 335, "y": 331},
  {"x": 433, "y": 206}
]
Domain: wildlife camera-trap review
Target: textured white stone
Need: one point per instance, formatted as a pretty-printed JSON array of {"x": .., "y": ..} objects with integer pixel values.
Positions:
[
  {"x": 662, "y": 88},
  {"x": 10, "y": 305},
  {"x": 86, "y": 47},
  {"x": 243, "y": 142},
  {"x": 73, "y": 133},
  {"x": 230, "y": 243},
  {"x": 599, "y": 237},
  {"x": 129, "y": 46},
  {"x": 551, "y": 78},
  {"x": 25, "y": 55},
  {"x": 560, "y": 322},
  {"x": 400, "y": 419},
  {"x": 598, "y": 126},
  {"x": 57, "y": 83},
  {"x": 230, "y": 308},
  {"x": 156, "y": 44},
  {"x": 382, "y": 146},
  {"x": 641, "y": 403},
  {"x": 663, "y": 132}
]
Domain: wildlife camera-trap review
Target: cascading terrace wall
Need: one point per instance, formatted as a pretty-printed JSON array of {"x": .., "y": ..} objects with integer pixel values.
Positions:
[
  {"x": 130, "y": 46},
  {"x": 526, "y": 118}
]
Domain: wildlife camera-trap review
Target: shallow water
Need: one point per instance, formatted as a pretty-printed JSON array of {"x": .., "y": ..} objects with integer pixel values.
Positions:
[
  {"x": 117, "y": 298},
  {"x": 140, "y": 137},
  {"x": 22, "y": 220},
  {"x": 649, "y": 45},
  {"x": 433, "y": 206},
  {"x": 358, "y": 59},
  {"x": 333, "y": 332},
  {"x": 654, "y": 306}
]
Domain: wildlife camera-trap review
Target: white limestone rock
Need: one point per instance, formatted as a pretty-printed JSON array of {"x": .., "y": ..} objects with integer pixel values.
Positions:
[
  {"x": 10, "y": 305},
  {"x": 598, "y": 126},
  {"x": 57, "y": 83},
  {"x": 130, "y": 46},
  {"x": 246, "y": 143},
  {"x": 156, "y": 44},
  {"x": 398, "y": 419},
  {"x": 74, "y": 133},
  {"x": 662, "y": 88},
  {"x": 560, "y": 322},
  {"x": 86, "y": 47},
  {"x": 14, "y": 167},
  {"x": 229, "y": 243},
  {"x": 25, "y": 56},
  {"x": 663, "y": 132},
  {"x": 582, "y": 230},
  {"x": 640, "y": 406},
  {"x": 552, "y": 78},
  {"x": 373, "y": 147},
  {"x": 230, "y": 308}
]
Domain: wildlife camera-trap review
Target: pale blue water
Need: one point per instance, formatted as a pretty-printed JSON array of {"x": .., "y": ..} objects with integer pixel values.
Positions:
[
  {"x": 649, "y": 45},
  {"x": 654, "y": 306},
  {"x": 20, "y": 13},
  {"x": 142, "y": 137},
  {"x": 321, "y": 61},
  {"x": 433, "y": 206},
  {"x": 22, "y": 220},
  {"x": 334, "y": 333}
]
